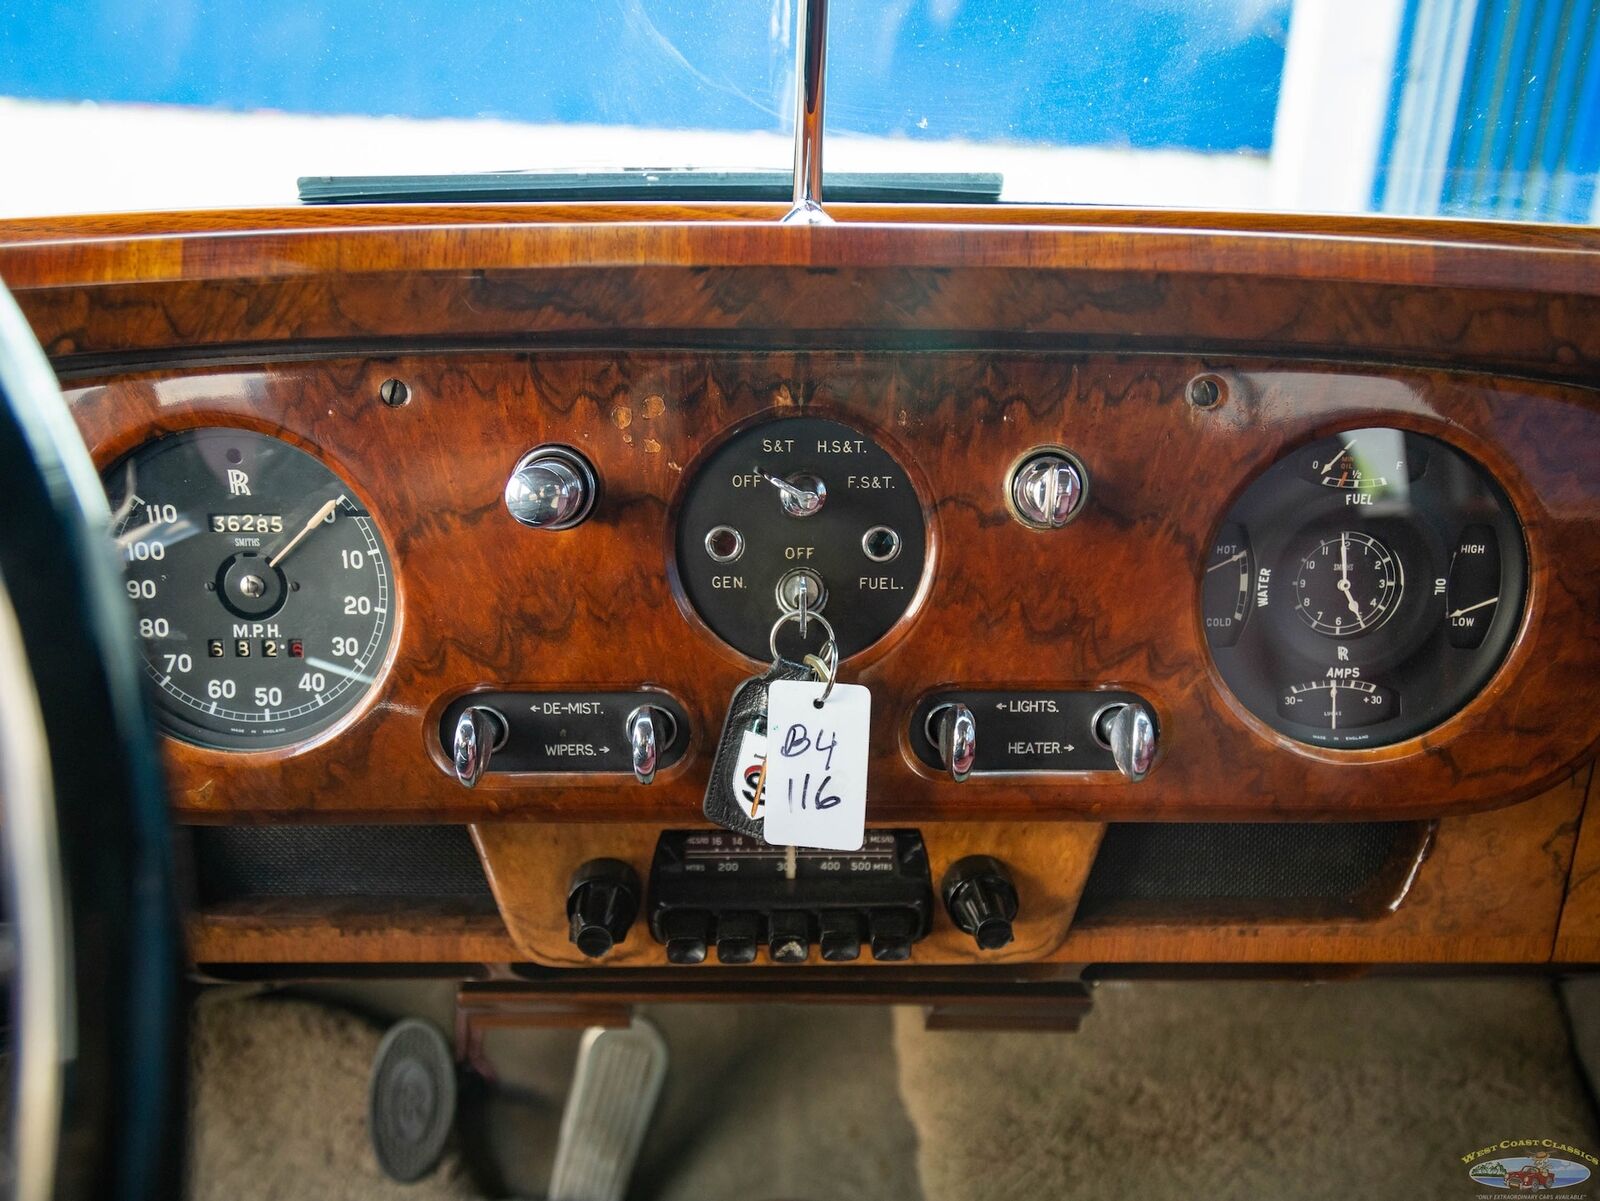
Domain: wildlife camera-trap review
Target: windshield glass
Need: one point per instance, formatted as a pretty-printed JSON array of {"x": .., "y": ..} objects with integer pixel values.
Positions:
[{"x": 1482, "y": 108}]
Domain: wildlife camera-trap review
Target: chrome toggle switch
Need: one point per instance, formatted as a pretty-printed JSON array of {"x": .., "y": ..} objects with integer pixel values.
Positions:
[
  {"x": 650, "y": 731},
  {"x": 954, "y": 731},
  {"x": 551, "y": 488},
  {"x": 801, "y": 494},
  {"x": 1130, "y": 732},
  {"x": 480, "y": 732},
  {"x": 1046, "y": 490}
]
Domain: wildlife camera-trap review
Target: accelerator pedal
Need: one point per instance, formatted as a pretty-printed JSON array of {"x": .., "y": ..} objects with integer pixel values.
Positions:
[{"x": 614, "y": 1094}]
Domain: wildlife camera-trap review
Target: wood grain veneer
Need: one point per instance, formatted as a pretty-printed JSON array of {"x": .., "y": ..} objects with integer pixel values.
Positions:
[
  {"x": 1447, "y": 293},
  {"x": 1490, "y": 892},
  {"x": 261, "y": 295},
  {"x": 345, "y": 932},
  {"x": 1578, "y": 940},
  {"x": 1109, "y": 602}
]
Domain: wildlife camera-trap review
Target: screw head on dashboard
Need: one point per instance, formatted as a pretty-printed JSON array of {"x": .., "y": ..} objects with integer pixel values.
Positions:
[
  {"x": 393, "y": 393},
  {"x": 1206, "y": 391}
]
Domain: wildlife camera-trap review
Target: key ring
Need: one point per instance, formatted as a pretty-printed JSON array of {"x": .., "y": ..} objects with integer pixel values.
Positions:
[
  {"x": 794, "y": 615},
  {"x": 827, "y": 667}
]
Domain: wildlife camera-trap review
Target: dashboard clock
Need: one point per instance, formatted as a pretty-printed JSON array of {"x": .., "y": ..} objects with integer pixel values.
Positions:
[
  {"x": 260, "y": 585},
  {"x": 1364, "y": 588}
]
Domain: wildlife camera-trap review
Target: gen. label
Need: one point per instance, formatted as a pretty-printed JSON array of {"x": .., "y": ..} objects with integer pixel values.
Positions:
[{"x": 816, "y": 788}]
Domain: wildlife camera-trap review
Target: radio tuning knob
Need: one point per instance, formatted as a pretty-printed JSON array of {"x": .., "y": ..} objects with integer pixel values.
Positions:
[
  {"x": 981, "y": 900},
  {"x": 602, "y": 902},
  {"x": 1046, "y": 490},
  {"x": 480, "y": 732},
  {"x": 954, "y": 732},
  {"x": 1130, "y": 732},
  {"x": 551, "y": 488}
]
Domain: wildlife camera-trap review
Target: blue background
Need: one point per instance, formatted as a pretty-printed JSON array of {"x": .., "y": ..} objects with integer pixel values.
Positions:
[{"x": 1198, "y": 74}]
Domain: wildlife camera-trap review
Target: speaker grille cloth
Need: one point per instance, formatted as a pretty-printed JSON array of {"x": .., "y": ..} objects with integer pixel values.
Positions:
[
  {"x": 236, "y": 863},
  {"x": 1239, "y": 861}
]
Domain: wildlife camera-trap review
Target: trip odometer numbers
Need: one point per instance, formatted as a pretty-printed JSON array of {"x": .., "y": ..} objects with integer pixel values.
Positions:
[{"x": 260, "y": 585}]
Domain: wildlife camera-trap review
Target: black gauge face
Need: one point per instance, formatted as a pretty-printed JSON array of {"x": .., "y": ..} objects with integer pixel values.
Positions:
[
  {"x": 1364, "y": 460},
  {"x": 1348, "y": 584},
  {"x": 261, "y": 586},
  {"x": 1227, "y": 586},
  {"x": 800, "y": 503},
  {"x": 1384, "y": 581}
]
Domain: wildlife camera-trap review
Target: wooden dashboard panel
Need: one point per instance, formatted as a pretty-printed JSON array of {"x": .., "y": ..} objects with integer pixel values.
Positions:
[
  {"x": 956, "y": 333},
  {"x": 161, "y": 287},
  {"x": 1110, "y": 602},
  {"x": 1490, "y": 891}
]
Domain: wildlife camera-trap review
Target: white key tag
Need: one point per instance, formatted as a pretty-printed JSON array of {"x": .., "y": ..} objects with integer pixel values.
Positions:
[{"x": 816, "y": 787}]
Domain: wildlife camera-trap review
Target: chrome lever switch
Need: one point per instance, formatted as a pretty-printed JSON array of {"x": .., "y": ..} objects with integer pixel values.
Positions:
[
  {"x": 650, "y": 732},
  {"x": 1130, "y": 732},
  {"x": 955, "y": 733},
  {"x": 480, "y": 732}
]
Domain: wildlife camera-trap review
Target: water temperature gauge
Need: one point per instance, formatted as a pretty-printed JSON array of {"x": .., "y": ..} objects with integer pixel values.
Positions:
[{"x": 1227, "y": 587}]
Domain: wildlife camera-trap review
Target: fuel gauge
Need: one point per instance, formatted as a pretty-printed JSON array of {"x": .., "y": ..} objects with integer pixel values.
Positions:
[
  {"x": 1225, "y": 598},
  {"x": 1338, "y": 704},
  {"x": 1364, "y": 461}
]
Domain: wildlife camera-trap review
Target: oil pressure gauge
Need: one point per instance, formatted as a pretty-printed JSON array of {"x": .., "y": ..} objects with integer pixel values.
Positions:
[{"x": 1364, "y": 588}]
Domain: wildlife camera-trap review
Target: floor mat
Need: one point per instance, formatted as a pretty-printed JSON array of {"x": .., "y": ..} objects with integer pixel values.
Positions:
[{"x": 1372, "y": 1089}]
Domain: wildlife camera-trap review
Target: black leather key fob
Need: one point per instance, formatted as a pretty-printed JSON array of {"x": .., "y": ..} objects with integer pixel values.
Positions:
[{"x": 733, "y": 795}]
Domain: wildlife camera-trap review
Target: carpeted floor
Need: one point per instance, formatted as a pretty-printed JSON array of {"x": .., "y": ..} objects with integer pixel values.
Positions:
[
  {"x": 278, "y": 1106},
  {"x": 1226, "y": 1091},
  {"x": 1243, "y": 1091}
]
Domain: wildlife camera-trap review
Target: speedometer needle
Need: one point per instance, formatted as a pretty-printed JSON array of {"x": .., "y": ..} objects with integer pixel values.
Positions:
[{"x": 317, "y": 519}]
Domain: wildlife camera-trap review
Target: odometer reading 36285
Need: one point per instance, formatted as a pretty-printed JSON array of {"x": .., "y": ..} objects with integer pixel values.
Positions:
[{"x": 262, "y": 588}]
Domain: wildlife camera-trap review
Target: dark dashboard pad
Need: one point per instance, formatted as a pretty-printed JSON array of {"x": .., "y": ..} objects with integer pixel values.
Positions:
[{"x": 1112, "y": 601}]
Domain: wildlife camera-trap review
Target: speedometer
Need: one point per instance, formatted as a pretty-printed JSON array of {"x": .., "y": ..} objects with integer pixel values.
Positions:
[{"x": 262, "y": 588}]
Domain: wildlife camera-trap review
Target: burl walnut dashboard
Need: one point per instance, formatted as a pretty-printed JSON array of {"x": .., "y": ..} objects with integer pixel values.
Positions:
[{"x": 1178, "y": 552}]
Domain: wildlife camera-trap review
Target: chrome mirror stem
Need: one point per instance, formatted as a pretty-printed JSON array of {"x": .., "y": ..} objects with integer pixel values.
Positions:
[{"x": 811, "y": 48}]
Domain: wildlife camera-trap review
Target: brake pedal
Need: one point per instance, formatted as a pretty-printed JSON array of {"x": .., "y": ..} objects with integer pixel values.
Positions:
[
  {"x": 614, "y": 1094},
  {"x": 411, "y": 1103}
]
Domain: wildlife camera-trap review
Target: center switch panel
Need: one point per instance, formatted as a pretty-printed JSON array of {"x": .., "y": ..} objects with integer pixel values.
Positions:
[{"x": 800, "y": 505}]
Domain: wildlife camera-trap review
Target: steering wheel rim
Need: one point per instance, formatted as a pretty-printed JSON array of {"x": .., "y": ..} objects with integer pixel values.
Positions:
[{"x": 89, "y": 877}]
